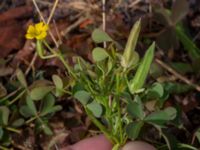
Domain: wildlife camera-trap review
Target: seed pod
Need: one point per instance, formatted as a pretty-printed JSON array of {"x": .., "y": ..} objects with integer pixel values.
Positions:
[
  {"x": 130, "y": 57},
  {"x": 141, "y": 74}
]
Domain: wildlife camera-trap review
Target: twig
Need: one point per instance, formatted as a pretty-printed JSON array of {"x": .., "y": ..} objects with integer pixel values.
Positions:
[
  {"x": 41, "y": 16},
  {"x": 104, "y": 18},
  {"x": 49, "y": 19},
  {"x": 31, "y": 64},
  {"x": 196, "y": 36},
  {"x": 56, "y": 138},
  {"x": 10, "y": 94},
  {"x": 178, "y": 75},
  {"x": 75, "y": 5},
  {"x": 54, "y": 39},
  {"x": 134, "y": 3},
  {"x": 57, "y": 32},
  {"x": 56, "y": 146},
  {"x": 118, "y": 4},
  {"x": 38, "y": 10},
  {"x": 20, "y": 147},
  {"x": 152, "y": 35},
  {"x": 74, "y": 25},
  {"x": 52, "y": 11}
]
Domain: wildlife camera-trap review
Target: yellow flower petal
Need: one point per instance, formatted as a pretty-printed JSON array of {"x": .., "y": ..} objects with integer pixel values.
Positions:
[
  {"x": 39, "y": 26},
  {"x": 38, "y": 31},
  {"x": 30, "y": 36},
  {"x": 31, "y": 29},
  {"x": 41, "y": 36},
  {"x": 45, "y": 27}
]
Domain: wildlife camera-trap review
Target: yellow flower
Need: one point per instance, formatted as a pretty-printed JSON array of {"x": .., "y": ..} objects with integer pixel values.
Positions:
[{"x": 38, "y": 31}]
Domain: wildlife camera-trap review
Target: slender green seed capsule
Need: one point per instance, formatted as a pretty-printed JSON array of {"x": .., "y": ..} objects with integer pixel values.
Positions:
[
  {"x": 130, "y": 57},
  {"x": 141, "y": 74}
]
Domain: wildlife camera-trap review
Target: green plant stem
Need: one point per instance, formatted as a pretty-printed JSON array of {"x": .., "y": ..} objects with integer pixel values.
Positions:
[
  {"x": 117, "y": 98},
  {"x": 61, "y": 58},
  {"x": 120, "y": 81},
  {"x": 101, "y": 127},
  {"x": 66, "y": 92},
  {"x": 52, "y": 11},
  {"x": 31, "y": 119},
  {"x": 116, "y": 147},
  {"x": 10, "y": 95},
  {"x": 119, "y": 120},
  {"x": 13, "y": 130},
  {"x": 48, "y": 56},
  {"x": 105, "y": 102},
  {"x": 17, "y": 97},
  {"x": 35, "y": 117}
]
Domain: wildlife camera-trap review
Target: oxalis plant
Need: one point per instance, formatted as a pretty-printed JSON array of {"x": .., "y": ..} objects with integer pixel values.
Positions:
[{"x": 111, "y": 89}]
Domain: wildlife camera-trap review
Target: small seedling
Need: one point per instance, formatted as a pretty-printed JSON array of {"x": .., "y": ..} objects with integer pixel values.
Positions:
[{"x": 112, "y": 89}]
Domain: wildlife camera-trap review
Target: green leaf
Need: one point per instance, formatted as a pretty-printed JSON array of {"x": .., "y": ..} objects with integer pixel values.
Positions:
[
  {"x": 179, "y": 10},
  {"x": 4, "y": 115},
  {"x": 156, "y": 91},
  {"x": 141, "y": 74},
  {"x": 6, "y": 139},
  {"x": 167, "y": 39},
  {"x": 25, "y": 111},
  {"x": 197, "y": 134},
  {"x": 31, "y": 105},
  {"x": 176, "y": 88},
  {"x": 110, "y": 65},
  {"x": 183, "y": 146},
  {"x": 1, "y": 133},
  {"x": 82, "y": 96},
  {"x": 132, "y": 61},
  {"x": 135, "y": 108},
  {"x": 126, "y": 96},
  {"x": 57, "y": 81},
  {"x": 59, "y": 93},
  {"x": 95, "y": 108},
  {"x": 41, "y": 82},
  {"x": 77, "y": 87},
  {"x": 162, "y": 117},
  {"x": 99, "y": 54},
  {"x": 55, "y": 109},
  {"x": 189, "y": 45},
  {"x": 130, "y": 57},
  {"x": 21, "y": 78},
  {"x": 171, "y": 113},
  {"x": 47, "y": 130},
  {"x": 42, "y": 124},
  {"x": 48, "y": 103},
  {"x": 19, "y": 122},
  {"x": 133, "y": 129},
  {"x": 156, "y": 70},
  {"x": 100, "y": 36},
  {"x": 59, "y": 85},
  {"x": 39, "y": 93},
  {"x": 163, "y": 16},
  {"x": 182, "y": 68},
  {"x": 170, "y": 140}
]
